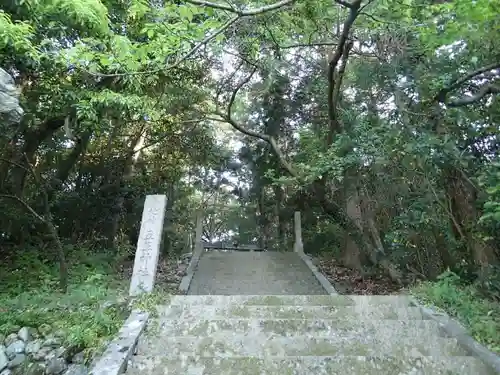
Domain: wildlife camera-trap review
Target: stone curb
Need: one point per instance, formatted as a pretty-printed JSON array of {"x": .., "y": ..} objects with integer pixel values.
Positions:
[
  {"x": 455, "y": 330},
  {"x": 186, "y": 280},
  {"x": 115, "y": 358},
  {"x": 319, "y": 276}
]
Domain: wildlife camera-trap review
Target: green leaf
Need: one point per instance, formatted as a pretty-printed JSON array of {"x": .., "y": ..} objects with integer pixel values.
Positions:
[{"x": 185, "y": 12}]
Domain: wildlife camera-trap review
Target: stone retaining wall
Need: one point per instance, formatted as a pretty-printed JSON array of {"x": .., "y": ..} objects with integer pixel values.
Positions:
[{"x": 39, "y": 351}]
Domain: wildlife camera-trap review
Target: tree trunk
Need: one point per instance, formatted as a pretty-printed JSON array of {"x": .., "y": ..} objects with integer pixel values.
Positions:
[
  {"x": 128, "y": 171},
  {"x": 67, "y": 164},
  {"x": 32, "y": 141},
  {"x": 465, "y": 217}
]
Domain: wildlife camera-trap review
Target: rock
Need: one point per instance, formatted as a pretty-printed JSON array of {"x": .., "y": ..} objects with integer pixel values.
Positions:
[
  {"x": 10, "y": 110},
  {"x": 4, "y": 360},
  {"x": 52, "y": 341},
  {"x": 17, "y": 360},
  {"x": 56, "y": 366},
  {"x": 77, "y": 370},
  {"x": 34, "y": 369},
  {"x": 6, "y": 372},
  {"x": 10, "y": 339},
  {"x": 33, "y": 333},
  {"x": 33, "y": 346},
  {"x": 24, "y": 334},
  {"x": 44, "y": 329},
  {"x": 61, "y": 352},
  {"x": 78, "y": 358},
  {"x": 17, "y": 347},
  {"x": 42, "y": 353},
  {"x": 60, "y": 333}
]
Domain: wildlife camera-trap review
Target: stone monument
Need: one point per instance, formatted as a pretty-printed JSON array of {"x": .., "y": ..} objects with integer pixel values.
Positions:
[{"x": 148, "y": 245}]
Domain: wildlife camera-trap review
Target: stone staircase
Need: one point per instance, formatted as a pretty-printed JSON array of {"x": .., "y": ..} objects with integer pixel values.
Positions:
[{"x": 297, "y": 334}]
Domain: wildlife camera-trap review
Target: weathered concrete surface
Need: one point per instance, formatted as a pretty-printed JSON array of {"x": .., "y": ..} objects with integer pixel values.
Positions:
[
  {"x": 114, "y": 360},
  {"x": 245, "y": 273},
  {"x": 292, "y": 300},
  {"x": 319, "y": 334},
  {"x": 288, "y": 312},
  {"x": 355, "y": 343},
  {"x": 148, "y": 245},
  {"x": 293, "y": 327},
  {"x": 337, "y": 365}
]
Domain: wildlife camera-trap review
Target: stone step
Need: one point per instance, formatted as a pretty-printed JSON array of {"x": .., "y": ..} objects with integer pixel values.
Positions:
[
  {"x": 363, "y": 312},
  {"x": 296, "y": 300},
  {"x": 337, "y": 365},
  {"x": 264, "y": 345},
  {"x": 298, "y": 327}
]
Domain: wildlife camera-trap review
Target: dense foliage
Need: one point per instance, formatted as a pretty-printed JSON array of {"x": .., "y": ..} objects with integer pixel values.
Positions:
[{"x": 378, "y": 120}]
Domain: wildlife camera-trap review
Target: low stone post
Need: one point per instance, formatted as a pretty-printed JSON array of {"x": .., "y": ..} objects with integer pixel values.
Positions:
[
  {"x": 199, "y": 232},
  {"x": 148, "y": 245},
  {"x": 197, "y": 251},
  {"x": 298, "y": 245}
]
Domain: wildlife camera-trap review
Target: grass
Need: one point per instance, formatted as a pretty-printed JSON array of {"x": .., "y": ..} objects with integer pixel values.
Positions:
[
  {"x": 83, "y": 316},
  {"x": 480, "y": 316}
]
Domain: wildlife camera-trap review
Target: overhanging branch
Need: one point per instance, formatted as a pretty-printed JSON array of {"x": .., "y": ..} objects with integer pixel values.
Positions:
[
  {"x": 239, "y": 12},
  {"x": 334, "y": 77},
  {"x": 227, "y": 118},
  {"x": 441, "y": 96},
  {"x": 470, "y": 99}
]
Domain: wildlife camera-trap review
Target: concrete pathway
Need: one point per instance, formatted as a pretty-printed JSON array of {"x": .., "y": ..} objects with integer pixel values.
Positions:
[{"x": 253, "y": 273}]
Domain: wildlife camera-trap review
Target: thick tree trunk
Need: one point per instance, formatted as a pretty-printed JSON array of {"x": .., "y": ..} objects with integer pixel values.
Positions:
[
  {"x": 128, "y": 172},
  {"x": 281, "y": 223},
  {"x": 465, "y": 217},
  {"x": 33, "y": 138},
  {"x": 67, "y": 164}
]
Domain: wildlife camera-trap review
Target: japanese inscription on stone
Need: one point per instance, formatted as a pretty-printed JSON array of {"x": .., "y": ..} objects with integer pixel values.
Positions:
[{"x": 148, "y": 245}]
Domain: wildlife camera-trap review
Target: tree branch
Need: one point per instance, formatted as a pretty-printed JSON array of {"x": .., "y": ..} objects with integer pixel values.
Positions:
[
  {"x": 26, "y": 206},
  {"x": 441, "y": 96},
  {"x": 205, "y": 41},
  {"x": 239, "y": 12},
  {"x": 238, "y": 88},
  {"x": 227, "y": 118},
  {"x": 471, "y": 99},
  {"x": 183, "y": 58},
  {"x": 342, "y": 50}
]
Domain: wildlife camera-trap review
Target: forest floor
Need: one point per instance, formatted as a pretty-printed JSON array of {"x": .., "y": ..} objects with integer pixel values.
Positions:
[{"x": 349, "y": 281}]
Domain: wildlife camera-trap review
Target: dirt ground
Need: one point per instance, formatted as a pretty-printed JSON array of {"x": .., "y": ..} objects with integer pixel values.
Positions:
[{"x": 349, "y": 281}]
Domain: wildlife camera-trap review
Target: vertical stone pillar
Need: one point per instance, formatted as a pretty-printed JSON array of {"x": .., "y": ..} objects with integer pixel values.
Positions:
[
  {"x": 199, "y": 232},
  {"x": 197, "y": 252},
  {"x": 148, "y": 245},
  {"x": 298, "y": 246}
]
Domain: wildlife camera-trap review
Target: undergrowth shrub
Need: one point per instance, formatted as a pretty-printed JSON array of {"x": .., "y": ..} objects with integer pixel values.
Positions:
[
  {"x": 92, "y": 310},
  {"x": 481, "y": 316}
]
